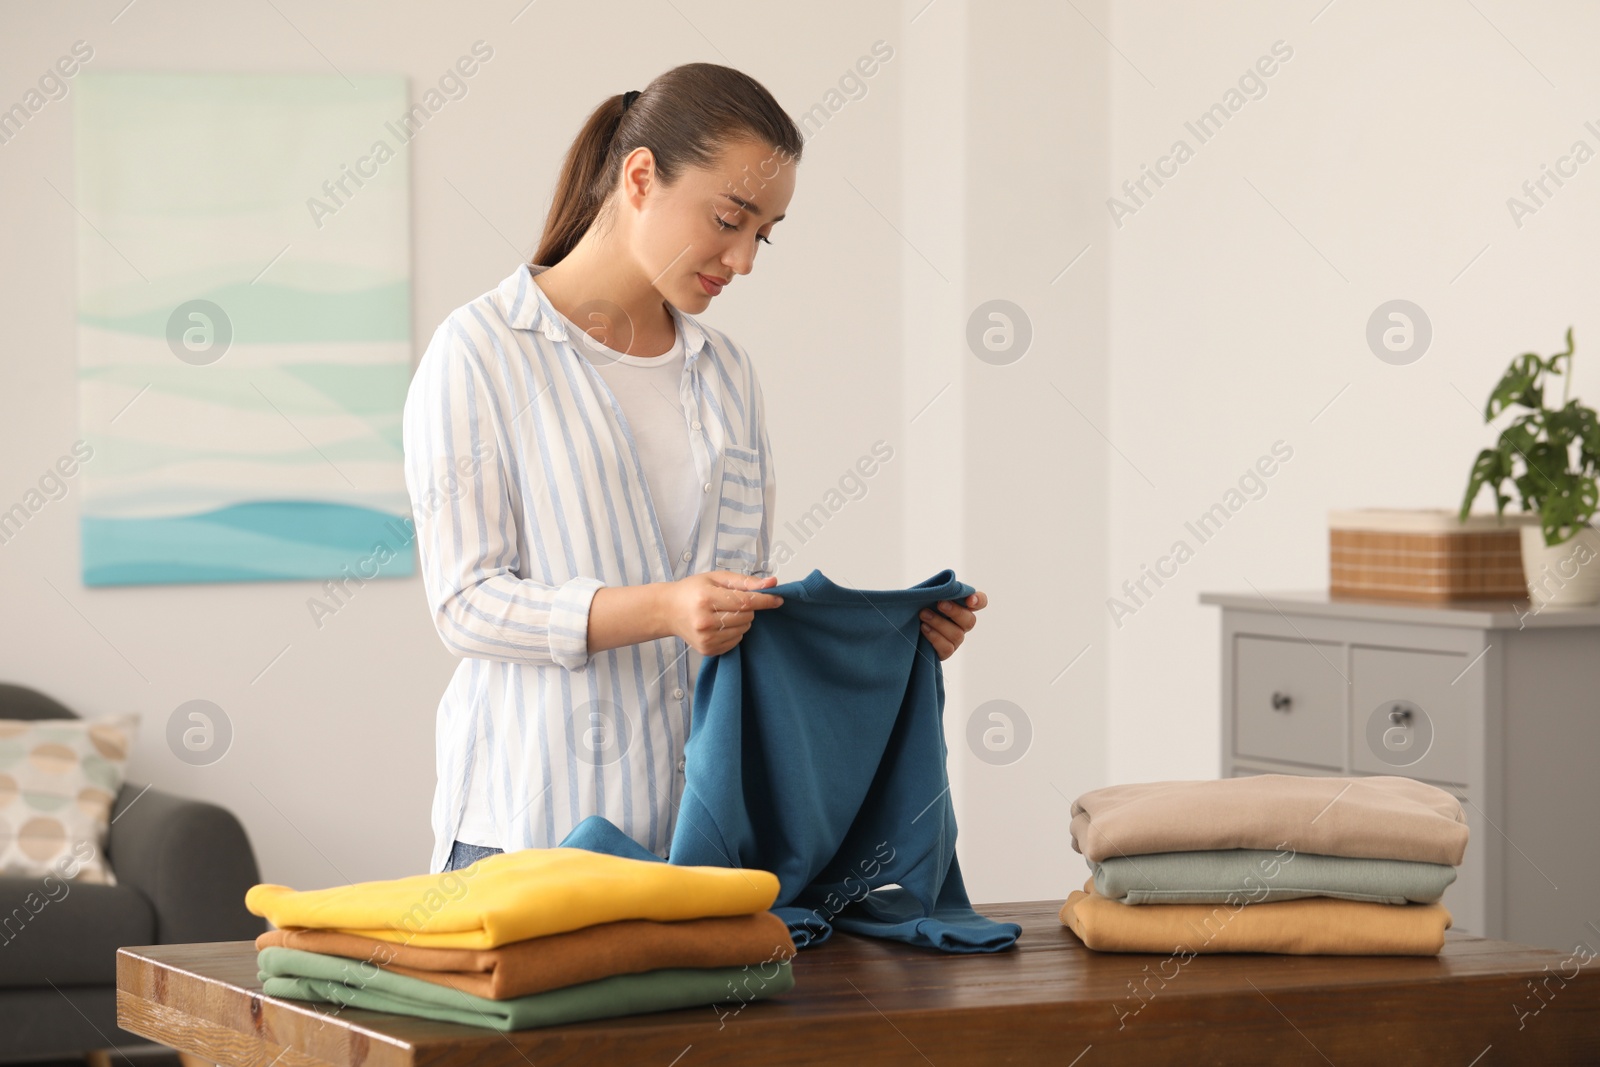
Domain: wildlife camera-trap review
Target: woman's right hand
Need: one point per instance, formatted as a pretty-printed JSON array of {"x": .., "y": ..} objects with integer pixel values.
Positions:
[{"x": 712, "y": 611}]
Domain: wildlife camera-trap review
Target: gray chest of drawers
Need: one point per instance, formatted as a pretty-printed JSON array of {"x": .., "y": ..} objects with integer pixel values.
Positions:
[{"x": 1496, "y": 704}]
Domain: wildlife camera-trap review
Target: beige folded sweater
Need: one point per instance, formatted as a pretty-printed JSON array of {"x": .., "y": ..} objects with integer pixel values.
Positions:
[{"x": 1379, "y": 817}]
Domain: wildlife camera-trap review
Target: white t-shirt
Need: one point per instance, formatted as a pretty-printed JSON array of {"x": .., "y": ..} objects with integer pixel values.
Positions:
[{"x": 646, "y": 387}]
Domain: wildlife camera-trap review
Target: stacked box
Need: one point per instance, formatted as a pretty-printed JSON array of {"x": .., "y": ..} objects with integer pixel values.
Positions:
[{"x": 1426, "y": 555}]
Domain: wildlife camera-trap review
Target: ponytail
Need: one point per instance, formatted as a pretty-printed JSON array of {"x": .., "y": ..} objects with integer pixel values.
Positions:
[{"x": 686, "y": 116}]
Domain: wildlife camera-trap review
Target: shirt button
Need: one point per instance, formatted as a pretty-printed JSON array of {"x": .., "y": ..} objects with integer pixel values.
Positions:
[
  {"x": 707, "y": 488},
  {"x": 681, "y": 763},
  {"x": 677, "y": 694},
  {"x": 695, "y": 424},
  {"x": 686, "y": 554}
]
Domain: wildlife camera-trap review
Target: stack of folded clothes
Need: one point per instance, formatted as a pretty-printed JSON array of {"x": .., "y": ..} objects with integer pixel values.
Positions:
[
  {"x": 535, "y": 937},
  {"x": 1267, "y": 863}
]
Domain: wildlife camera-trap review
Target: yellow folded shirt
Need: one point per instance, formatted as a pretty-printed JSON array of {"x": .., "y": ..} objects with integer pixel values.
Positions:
[
  {"x": 1309, "y": 926},
  {"x": 515, "y": 895}
]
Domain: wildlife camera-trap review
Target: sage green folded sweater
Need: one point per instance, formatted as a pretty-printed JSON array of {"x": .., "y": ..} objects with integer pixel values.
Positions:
[
  {"x": 1255, "y": 875},
  {"x": 300, "y": 975}
]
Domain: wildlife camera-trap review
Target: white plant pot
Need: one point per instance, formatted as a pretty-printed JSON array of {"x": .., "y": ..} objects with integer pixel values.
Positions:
[{"x": 1567, "y": 574}]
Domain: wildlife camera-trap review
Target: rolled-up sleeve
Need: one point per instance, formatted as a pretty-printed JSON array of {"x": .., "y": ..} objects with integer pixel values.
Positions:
[{"x": 456, "y": 473}]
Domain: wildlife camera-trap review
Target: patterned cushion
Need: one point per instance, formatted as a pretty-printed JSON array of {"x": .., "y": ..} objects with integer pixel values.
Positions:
[{"x": 58, "y": 780}]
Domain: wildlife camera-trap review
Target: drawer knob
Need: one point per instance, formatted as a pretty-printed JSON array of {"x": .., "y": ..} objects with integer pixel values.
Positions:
[
  {"x": 1281, "y": 701},
  {"x": 1399, "y": 715}
]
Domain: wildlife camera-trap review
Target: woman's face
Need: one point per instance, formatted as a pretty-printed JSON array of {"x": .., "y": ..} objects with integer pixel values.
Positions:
[{"x": 707, "y": 227}]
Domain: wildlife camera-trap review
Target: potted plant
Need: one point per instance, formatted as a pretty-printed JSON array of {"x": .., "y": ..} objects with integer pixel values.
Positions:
[{"x": 1557, "y": 451}]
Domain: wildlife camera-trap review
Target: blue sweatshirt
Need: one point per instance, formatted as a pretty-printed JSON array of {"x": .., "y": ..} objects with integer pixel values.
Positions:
[{"x": 816, "y": 751}]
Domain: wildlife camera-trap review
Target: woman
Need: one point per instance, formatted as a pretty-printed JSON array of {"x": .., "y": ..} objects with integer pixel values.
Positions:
[{"x": 591, "y": 476}]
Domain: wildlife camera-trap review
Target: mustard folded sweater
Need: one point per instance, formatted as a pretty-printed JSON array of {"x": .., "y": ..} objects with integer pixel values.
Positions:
[
  {"x": 1311, "y": 926},
  {"x": 515, "y": 895}
]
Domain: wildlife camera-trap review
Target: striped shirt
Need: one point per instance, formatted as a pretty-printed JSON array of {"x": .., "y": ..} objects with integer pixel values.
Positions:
[{"x": 528, "y": 494}]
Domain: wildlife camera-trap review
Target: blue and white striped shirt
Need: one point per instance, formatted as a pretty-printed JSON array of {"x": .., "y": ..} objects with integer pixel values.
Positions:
[{"x": 528, "y": 495}]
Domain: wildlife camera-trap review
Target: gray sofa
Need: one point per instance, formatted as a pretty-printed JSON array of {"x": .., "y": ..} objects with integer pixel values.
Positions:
[{"x": 182, "y": 868}]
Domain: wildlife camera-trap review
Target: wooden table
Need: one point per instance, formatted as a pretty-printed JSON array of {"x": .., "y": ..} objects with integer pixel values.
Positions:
[{"x": 866, "y": 1001}]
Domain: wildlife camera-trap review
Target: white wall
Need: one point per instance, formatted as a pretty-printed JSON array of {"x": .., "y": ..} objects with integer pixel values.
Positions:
[
  {"x": 1168, "y": 353},
  {"x": 1033, "y": 467},
  {"x": 1381, "y": 160}
]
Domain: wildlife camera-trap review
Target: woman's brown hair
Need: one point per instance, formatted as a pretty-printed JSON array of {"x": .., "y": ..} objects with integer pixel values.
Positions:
[{"x": 686, "y": 117}]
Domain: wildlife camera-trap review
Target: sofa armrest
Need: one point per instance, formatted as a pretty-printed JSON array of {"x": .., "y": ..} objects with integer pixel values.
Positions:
[{"x": 191, "y": 859}]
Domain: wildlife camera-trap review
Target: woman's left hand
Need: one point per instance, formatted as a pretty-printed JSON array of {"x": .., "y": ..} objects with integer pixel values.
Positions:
[{"x": 945, "y": 625}]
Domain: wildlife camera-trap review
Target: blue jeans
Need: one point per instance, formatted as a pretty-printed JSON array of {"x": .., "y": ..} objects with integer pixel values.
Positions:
[{"x": 464, "y": 855}]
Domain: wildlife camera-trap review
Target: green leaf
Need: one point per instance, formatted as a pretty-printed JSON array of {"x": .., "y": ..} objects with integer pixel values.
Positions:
[
  {"x": 1490, "y": 468},
  {"x": 1568, "y": 510},
  {"x": 1516, "y": 386},
  {"x": 1549, "y": 462},
  {"x": 1531, "y": 489},
  {"x": 1588, "y": 432},
  {"x": 1521, "y": 435},
  {"x": 1563, "y": 427}
]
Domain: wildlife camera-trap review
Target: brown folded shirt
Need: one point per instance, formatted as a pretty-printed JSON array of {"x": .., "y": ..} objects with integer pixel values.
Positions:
[
  {"x": 538, "y": 964},
  {"x": 1381, "y": 817}
]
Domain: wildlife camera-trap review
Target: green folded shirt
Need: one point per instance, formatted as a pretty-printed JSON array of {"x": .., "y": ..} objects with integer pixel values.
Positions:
[
  {"x": 1257, "y": 875},
  {"x": 300, "y": 975}
]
